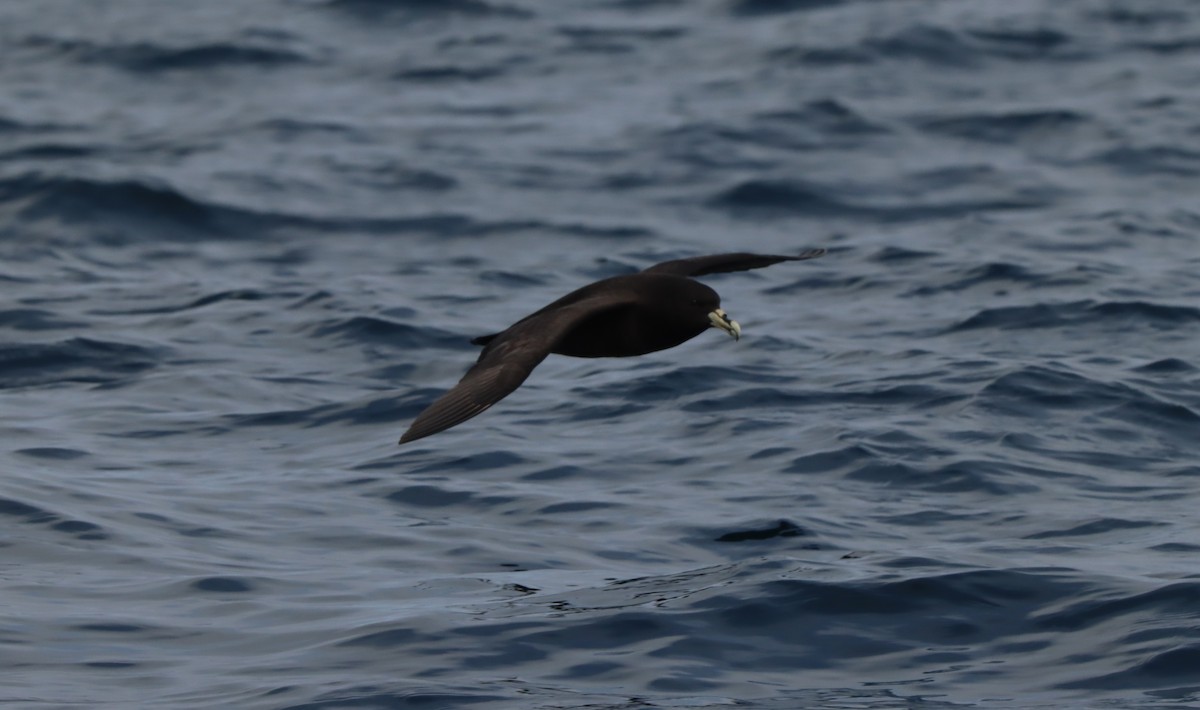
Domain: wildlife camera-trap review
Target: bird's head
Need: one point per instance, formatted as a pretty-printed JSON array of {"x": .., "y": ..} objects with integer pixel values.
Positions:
[{"x": 704, "y": 306}]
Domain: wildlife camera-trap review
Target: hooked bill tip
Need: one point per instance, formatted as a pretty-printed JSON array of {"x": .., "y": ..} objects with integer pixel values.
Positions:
[{"x": 720, "y": 319}]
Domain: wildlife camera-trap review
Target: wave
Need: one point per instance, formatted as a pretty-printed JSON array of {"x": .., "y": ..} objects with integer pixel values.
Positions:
[
  {"x": 25, "y": 513},
  {"x": 873, "y": 464},
  {"x": 132, "y": 210},
  {"x": 615, "y": 40},
  {"x": 1019, "y": 43},
  {"x": 383, "y": 9},
  {"x": 1102, "y": 526},
  {"x": 1054, "y": 315},
  {"x": 957, "y": 49},
  {"x": 756, "y": 8},
  {"x": 801, "y": 198},
  {"x": 1010, "y": 126},
  {"x": 770, "y": 399},
  {"x": 781, "y": 528},
  {"x": 1033, "y": 388},
  {"x": 371, "y": 330},
  {"x": 1147, "y": 413},
  {"x": 997, "y": 274},
  {"x": 676, "y": 382},
  {"x": 380, "y": 410},
  {"x": 35, "y": 319},
  {"x": 74, "y": 360},
  {"x": 927, "y": 43},
  {"x": 149, "y": 57},
  {"x": 50, "y": 151},
  {"x": 828, "y": 116},
  {"x": 441, "y": 74},
  {"x": 1144, "y": 16},
  {"x": 37, "y": 196},
  {"x": 973, "y": 631},
  {"x": 1170, "y": 365},
  {"x": 1152, "y": 159}
]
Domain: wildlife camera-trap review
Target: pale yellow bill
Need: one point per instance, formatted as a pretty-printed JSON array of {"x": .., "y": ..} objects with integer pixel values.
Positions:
[{"x": 719, "y": 319}]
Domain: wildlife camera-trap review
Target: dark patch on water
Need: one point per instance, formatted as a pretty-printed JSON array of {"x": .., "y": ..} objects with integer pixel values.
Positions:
[
  {"x": 223, "y": 585},
  {"x": 52, "y": 453}
]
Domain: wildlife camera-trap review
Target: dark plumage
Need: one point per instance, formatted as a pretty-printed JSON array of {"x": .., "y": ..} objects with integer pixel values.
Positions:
[{"x": 621, "y": 316}]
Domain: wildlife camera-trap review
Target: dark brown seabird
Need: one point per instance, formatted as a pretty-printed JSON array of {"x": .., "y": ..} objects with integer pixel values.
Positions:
[{"x": 622, "y": 316}]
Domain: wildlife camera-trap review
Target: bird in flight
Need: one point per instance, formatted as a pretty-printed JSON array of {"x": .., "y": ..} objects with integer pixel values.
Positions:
[{"x": 621, "y": 316}]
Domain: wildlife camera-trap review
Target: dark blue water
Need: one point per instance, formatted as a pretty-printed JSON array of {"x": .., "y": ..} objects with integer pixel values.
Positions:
[{"x": 955, "y": 462}]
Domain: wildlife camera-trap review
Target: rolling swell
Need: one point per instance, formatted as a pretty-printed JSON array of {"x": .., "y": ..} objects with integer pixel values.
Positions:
[
  {"x": 1108, "y": 313},
  {"x": 952, "y": 463},
  {"x": 146, "y": 57},
  {"x": 379, "y": 331},
  {"x": 712, "y": 625},
  {"x": 148, "y": 205},
  {"x": 73, "y": 360},
  {"x": 121, "y": 210},
  {"x": 34, "y": 198},
  {"x": 1009, "y": 127},
  {"x": 25, "y": 513},
  {"x": 426, "y": 8},
  {"x": 792, "y": 197}
]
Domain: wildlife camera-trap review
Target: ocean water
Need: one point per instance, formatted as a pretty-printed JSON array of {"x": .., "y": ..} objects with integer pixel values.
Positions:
[{"x": 953, "y": 463}]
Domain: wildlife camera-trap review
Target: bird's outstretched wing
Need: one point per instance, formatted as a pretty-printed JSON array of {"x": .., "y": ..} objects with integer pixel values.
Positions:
[
  {"x": 505, "y": 363},
  {"x": 721, "y": 263}
]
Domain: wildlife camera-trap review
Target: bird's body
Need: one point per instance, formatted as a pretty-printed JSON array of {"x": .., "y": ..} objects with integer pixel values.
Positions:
[
  {"x": 628, "y": 315},
  {"x": 621, "y": 316}
]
